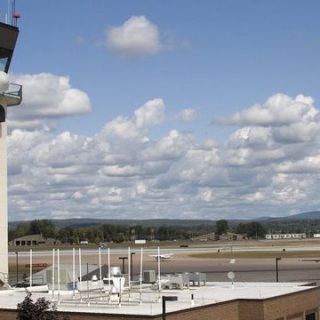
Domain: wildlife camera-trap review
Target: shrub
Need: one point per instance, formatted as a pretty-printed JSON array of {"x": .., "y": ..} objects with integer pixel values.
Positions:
[{"x": 41, "y": 309}]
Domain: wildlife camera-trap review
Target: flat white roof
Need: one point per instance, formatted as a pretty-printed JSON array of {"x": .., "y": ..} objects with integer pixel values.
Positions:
[{"x": 150, "y": 304}]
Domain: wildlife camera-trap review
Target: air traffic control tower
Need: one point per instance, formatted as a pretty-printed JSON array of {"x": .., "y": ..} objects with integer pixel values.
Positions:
[{"x": 10, "y": 95}]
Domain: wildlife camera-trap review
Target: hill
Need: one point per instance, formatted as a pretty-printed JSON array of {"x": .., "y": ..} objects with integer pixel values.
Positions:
[
  {"x": 312, "y": 215},
  {"x": 86, "y": 222}
]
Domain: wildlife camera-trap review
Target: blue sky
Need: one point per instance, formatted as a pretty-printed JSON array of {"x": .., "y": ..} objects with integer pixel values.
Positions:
[
  {"x": 205, "y": 61},
  {"x": 225, "y": 55}
]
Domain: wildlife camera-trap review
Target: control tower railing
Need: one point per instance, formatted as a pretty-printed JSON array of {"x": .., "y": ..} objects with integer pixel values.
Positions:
[{"x": 13, "y": 95}]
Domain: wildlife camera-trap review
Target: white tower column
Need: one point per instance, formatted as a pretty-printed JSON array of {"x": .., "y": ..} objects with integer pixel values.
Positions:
[
  {"x": 3, "y": 199},
  {"x": 10, "y": 95}
]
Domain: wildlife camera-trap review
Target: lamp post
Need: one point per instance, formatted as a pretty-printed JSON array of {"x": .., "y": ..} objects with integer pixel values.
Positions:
[
  {"x": 277, "y": 269},
  {"x": 123, "y": 259},
  {"x": 17, "y": 266},
  {"x": 164, "y": 300},
  {"x": 131, "y": 268}
]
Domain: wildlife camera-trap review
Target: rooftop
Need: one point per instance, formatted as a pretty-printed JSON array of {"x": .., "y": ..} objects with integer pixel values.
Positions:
[{"x": 212, "y": 293}]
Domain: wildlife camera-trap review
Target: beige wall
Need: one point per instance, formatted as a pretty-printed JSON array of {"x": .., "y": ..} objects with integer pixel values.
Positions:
[{"x": 292, "y": 305}]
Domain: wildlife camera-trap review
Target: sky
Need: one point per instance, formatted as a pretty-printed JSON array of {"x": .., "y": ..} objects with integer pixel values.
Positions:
[{"x": 178, "y": 109}]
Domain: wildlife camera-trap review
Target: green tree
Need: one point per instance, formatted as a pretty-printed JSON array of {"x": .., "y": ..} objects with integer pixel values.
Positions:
[
  {"x": 44, "y": 227},
  {"x": 22, "y": 229},
  {"x": 42, "y": 309},
  {"x": 163, "y": 233},
  {"x": 66, "y": 235},
  {"x": 222, "y": 226},
  {"x": 252, "y": 229},
  {"x": 120, "y": 237}
]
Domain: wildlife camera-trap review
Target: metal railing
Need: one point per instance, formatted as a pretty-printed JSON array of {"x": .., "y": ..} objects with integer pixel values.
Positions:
[{"x": 14, "y": 91}]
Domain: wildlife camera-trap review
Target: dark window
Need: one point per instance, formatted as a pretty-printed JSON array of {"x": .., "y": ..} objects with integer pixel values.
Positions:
[
  {"x": 8, "y": 38},
  {"x": 2, "y": 114},
  {"x": 311, "y": 316},
  {"x": 5, "y": 58}
]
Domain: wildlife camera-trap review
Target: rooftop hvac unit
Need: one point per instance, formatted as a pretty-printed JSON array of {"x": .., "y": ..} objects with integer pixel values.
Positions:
[{"x": 149, "y": 276}]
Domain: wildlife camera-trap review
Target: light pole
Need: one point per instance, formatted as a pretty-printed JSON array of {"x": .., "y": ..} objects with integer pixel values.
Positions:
[
  {"x": 164, "y": 300},
  {"x": 131, "y": 268},
  {"x": 17, "y": 266},
  {"x": 123, "y": 259},
  {"x": 277, "y": 269}
]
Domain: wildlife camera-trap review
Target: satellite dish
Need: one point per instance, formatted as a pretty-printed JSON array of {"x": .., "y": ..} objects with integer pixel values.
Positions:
[{"x": 231, "y": 275}]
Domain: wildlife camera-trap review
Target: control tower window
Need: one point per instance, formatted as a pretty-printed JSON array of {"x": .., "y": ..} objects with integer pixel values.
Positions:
[
  {"x": 8, "y": 37},
  {"x": 2, "y": 114},
  {"x": 5, "y": 57}
]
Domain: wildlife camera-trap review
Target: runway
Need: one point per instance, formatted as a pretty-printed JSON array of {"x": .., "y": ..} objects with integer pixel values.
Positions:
[{"x": 253, "y": 269}]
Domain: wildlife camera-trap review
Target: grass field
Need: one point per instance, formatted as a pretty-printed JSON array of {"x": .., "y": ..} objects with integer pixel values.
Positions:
[
  {"x": 178, "y": 244},
  {"x": 257, "y": 254},
  {"x": 149, "y": 244}
]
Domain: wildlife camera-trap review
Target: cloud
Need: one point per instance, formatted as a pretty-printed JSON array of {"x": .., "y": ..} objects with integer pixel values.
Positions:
[
  {"x": 303, "y": 131},
  {"x": 257, "y": 196},
  {"x": 258, "y": 137},
  {"x": 206, "y": 195},
  {"x": 46, "y": 98},
  {"x": 187, "y": 115},
  {"x": 135, "y": 37},
  {"x": 288, "y": 189},
  {"x": 309, "y": 164},
  {"x": 126, "y": 171},
  {"x": 278, "y": 110},
  {"x": 149, "y": 114}
]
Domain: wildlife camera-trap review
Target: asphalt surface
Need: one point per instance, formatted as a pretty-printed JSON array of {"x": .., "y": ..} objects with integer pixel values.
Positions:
[{"x": 256, "y": 269}]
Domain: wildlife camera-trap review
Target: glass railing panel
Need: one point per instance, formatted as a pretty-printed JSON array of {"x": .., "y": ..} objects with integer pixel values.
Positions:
[{"x": 14, "y": 90}]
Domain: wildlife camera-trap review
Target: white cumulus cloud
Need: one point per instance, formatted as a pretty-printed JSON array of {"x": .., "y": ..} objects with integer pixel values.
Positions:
[
  {"x": 149, "y": 114},
  {"x": 135, "y": 37},
  {"x": 187, "y": 115},
  {"x": 278, "y": 110},
  {"x": 126, "y": 171},
  {"x": 47, "y": 97}
]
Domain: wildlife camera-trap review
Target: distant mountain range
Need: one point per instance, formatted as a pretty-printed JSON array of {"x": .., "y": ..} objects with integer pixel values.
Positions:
[
  {"x": 311, "y": 215},
  {"x": 86, "y": 222}
]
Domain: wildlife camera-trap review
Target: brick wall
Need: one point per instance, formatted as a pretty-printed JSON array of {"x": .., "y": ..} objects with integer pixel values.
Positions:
[
  {"x": 220, "y": 311},
  {"x": 292, "y": 304},
  {"x": 251, "y": 310}
]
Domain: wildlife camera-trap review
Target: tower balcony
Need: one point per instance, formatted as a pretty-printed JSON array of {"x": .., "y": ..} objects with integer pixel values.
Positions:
[{"x": 13, "y": 96}]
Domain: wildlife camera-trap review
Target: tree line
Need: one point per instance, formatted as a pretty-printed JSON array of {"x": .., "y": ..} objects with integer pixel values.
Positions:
[{"x": 121, "y": 233}]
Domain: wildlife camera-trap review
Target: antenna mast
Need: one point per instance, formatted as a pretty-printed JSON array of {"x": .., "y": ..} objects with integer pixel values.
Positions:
[{"x": 13, "y": 14}]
